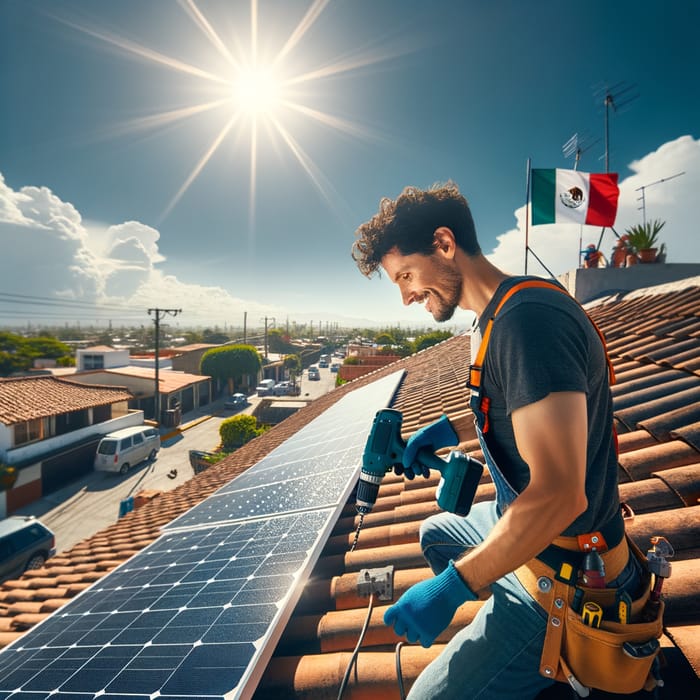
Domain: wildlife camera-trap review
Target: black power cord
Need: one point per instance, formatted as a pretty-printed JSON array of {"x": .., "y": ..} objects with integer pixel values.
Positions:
[
  {"x": 399, "y": 675},
  {"x": 353, "y": 659}
]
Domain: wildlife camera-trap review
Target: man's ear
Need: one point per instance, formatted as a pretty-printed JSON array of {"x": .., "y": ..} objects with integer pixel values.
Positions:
[{"x": 444, "y": 241}]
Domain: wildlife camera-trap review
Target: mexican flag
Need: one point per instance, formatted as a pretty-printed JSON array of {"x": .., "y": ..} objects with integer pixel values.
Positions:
[{"x": 570, "y": 196}]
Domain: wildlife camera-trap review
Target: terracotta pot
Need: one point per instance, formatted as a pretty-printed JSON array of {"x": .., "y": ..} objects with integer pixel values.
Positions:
[
  {"x": 647, "y": 255},
  {"x": 631, "y": 259}
]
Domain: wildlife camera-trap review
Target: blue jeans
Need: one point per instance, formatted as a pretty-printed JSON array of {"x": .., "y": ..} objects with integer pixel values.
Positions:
[{"x": 497, "y": 655}]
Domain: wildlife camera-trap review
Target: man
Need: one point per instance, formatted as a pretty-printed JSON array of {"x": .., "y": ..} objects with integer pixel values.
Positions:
[{"x": 547, "y": 436}]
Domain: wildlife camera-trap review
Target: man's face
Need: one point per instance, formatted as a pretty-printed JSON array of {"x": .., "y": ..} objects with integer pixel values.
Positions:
[{"x": 425, "y": 278}]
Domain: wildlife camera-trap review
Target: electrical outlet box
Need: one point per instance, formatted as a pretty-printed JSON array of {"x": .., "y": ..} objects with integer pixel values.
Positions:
[{"x": 378, "y": 581}]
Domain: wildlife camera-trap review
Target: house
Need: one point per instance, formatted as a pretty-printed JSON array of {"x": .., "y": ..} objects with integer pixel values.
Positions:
[
  {"x": 368, "y": 360},
  {"x": 654, "y": 342},
  {"x": 49, "y": 428},
  {"x": 188, "y": 358},
  {"x": 100, "y": 357},
  {"x": 188, "y": 391}
]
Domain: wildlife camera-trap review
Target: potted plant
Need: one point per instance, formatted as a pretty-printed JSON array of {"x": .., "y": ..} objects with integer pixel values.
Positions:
[{"x": 642, "y": 239}]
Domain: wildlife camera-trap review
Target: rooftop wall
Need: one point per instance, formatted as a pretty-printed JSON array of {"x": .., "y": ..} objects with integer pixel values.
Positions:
[{"x": 587, "y": 284}]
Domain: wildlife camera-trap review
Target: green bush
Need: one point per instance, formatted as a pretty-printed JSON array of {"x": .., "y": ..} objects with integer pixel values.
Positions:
[{"x": 238, "y": 430}]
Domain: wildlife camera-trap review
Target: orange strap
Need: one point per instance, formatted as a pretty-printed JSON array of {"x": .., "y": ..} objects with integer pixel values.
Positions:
[{"x": 475, "y": 369}]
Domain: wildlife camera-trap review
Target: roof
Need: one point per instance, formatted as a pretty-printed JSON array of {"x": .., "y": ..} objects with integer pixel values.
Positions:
[
  {"x": 28, "y": 398},
  {"x": 168, "y": 379},
  {"x": 192, "y": 347},
  {"x": 655, "y": 348}
]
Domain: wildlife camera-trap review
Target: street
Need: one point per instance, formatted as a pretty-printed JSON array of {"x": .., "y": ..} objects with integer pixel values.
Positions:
[{"x": 88, "y": 505}]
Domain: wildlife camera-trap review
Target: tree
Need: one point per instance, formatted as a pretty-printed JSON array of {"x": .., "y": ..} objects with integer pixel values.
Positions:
[
  {"x": 238, "y": 430},
  {"x": 425, "y": 341},
  {"x": 214, "y": 337},
  {"x": 17, "y": 354},
  {"x": 48, "y": 347},
  {"x": 292, "y": 363},
  {"x": 231, "y": 363},
  {"x": 276, "y": 342},
  {"x": 385, "y": 339},
  {"x": 192, "y": 337}
]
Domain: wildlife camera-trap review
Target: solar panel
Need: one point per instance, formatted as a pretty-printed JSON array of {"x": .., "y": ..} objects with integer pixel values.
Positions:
[
  {"x": 315, "y": 468},
  {"x": 196, "y": 614}
]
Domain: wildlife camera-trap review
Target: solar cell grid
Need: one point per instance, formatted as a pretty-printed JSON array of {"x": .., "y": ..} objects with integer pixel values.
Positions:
[
  {"x": 195, "y": 614},
  {"x": 312, "y": 469},
  {"x": 189, "y": 611}
]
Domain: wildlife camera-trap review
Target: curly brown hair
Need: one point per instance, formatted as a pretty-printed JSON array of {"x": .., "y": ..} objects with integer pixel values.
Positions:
[{"x": 409, "y": 223}]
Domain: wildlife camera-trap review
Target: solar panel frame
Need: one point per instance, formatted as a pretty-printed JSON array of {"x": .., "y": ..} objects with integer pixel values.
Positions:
[{"x": 152, "y": 609}]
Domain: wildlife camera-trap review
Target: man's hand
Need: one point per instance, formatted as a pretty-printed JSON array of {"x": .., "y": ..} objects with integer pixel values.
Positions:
[
  {"x": 427, "y": 608},
  {"x": 433, "y": 436}
]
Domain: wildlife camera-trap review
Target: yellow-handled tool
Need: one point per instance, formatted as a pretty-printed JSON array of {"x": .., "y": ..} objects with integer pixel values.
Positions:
[{"x": 592, "y": 614}]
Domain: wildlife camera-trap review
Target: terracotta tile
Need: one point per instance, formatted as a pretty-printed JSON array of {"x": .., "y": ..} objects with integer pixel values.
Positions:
[{"x": 660, "y": 471}]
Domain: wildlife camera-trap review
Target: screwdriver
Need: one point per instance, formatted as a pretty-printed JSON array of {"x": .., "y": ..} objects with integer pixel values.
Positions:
[
  {"x": 592, "y": 614},
  {"x": 623, "y": 601}
]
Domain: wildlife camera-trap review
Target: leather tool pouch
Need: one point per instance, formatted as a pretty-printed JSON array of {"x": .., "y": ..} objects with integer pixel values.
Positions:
[{"x": 596, "y": 657}]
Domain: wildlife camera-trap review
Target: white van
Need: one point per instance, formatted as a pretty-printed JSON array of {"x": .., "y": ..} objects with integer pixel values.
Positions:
[
  {"x": 265, "y": 387},
  {"x": 125, "y": 448}
]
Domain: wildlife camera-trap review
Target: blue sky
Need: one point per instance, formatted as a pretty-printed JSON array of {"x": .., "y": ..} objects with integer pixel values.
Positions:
[{"x": 121, "y": 184}]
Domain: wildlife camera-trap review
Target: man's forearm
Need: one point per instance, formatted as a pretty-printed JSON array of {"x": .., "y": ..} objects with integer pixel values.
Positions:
[{"x": 527, "y": 527}]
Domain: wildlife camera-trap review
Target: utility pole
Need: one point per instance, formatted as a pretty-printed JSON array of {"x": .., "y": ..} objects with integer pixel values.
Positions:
[
  {"x": 274, "y": 321},
  {"x": 158, "y": 315}
]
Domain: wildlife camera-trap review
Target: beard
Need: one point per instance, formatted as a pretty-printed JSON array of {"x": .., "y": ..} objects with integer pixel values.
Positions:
[{"x": 443, "y": 303}]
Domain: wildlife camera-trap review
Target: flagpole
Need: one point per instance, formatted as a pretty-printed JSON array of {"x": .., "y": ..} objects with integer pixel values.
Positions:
[{"x": 527, "y": 213}]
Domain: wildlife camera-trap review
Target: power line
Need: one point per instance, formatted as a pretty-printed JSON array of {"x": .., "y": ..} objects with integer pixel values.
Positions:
[{"x": 53, "y": 301}]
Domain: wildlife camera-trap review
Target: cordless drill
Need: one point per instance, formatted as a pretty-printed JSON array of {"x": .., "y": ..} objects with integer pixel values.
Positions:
[{"x": 384, "y": 451}]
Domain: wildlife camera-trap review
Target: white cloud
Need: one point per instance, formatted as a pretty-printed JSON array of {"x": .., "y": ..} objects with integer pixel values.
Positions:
[
  {"x": 49, "y": 251},
  {"x": 671, "y": 201}
]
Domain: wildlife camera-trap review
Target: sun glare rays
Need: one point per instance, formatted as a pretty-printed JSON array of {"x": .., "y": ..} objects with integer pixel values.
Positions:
[{"x": 252, "y": 94}]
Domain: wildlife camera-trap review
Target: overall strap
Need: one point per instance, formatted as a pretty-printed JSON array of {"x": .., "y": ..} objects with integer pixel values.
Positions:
[{"x": 475, "y": 370}]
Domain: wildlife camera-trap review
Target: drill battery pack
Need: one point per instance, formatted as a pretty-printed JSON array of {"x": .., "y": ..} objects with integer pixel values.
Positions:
[{"x": 460, "y": 478}]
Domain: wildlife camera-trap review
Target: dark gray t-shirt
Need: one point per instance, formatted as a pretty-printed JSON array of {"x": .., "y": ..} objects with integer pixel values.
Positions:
[{"x": 542, "y": 342}]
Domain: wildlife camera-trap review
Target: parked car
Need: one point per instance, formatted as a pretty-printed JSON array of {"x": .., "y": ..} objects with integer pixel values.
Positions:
[
  {"x": 237, "y": 400},
  {"x": 335, "y": 366},
  {"x": 281, "y": 388},
  {"x": 265, "y": 387},
  {"x": 314, "y": 373},
  {"x": 125, "y": 448},
  {"x": 285, "y": 388},
  {"x": 25, "y": 543}
]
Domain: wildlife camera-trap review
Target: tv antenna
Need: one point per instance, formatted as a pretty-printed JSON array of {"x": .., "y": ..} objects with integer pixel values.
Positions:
[
  {"x": 576, "y": 146},
  {"x": 642, "y": 197},
  {"x": 617, "y": 96}
]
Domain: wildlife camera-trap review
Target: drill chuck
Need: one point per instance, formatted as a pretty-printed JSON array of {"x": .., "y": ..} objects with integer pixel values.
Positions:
[{"x": 367, "y": 490}]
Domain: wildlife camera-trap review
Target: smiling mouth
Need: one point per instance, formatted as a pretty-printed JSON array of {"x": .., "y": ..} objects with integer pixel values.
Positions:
[{"x": 421, "y": 298}]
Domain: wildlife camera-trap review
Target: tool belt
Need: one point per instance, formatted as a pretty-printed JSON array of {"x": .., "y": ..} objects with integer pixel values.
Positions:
[{"x": 611, "y": 656}]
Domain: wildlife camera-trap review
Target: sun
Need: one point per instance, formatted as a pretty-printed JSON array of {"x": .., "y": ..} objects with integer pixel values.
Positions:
[{"x": 257, "y": 91}]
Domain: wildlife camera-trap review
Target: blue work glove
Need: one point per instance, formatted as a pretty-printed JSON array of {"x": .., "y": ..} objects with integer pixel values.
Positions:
[
  {"x": 427, "y": 608},
  {"x": 433, "y": 437}
]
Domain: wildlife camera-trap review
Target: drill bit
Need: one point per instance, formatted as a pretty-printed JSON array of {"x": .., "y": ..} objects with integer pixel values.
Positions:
[{"x": 357, "y": 532}]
